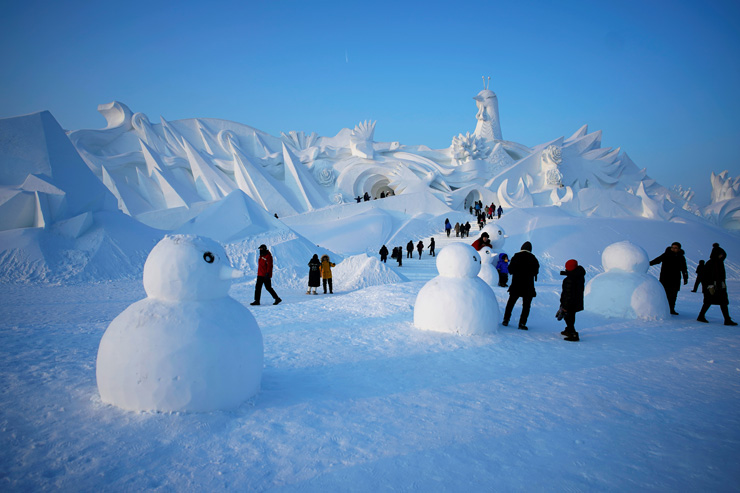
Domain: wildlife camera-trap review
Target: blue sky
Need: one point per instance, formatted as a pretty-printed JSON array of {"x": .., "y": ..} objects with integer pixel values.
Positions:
[{"x": 659, "y": 78}]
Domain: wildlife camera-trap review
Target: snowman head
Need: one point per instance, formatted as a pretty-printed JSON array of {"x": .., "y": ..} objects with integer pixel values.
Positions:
[
  {"x": 625, "y": 256},
  {"x": 188, "y": 268},
  {"x": 487, "y": 256},
  {"x": 496, "y": 234},
  {"x": 458, "y": 260}
]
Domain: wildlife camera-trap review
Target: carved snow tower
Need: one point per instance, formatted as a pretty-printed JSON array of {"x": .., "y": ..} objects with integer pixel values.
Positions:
[{"x": 488, "y": 127}]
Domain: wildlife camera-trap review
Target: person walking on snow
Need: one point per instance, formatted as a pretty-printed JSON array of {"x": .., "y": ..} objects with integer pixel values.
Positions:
[
  {"x": 383, "y": 254},
  {"x": 431, "y": 247},
  {"x": 714, "y": 285},
  {"x": 673, "y": 266},
  {"x": 326, "y": 266},
  {"x": 482, "y": 242},
  {"x": 502, "y": 266},
  {"x": 448, "y": 227},
  {"x": 410, "y": 249},
  {"x": 457, "y": 230},
  {"x": 500, "y": 210},
  {"x": 314, "y": 274},
  {"x": 420, "y": 248},
  {"x": 699, "y": 271},
  {"x": 264, "y": 276},
  {"x": 523, "y": 268},
  {"x": 399, "y": 256},
  {"x": 571, "y": 297}
]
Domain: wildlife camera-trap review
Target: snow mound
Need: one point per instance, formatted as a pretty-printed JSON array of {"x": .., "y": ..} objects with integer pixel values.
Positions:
[
  {"x": 625, "y": 256},
  {"x": 362, "y": 271}
]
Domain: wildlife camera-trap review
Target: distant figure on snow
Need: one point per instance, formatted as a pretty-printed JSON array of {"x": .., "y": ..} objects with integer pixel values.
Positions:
[
  {"x": 383, "y": 254},
  {"x": 483, "y": 241},
  {"x": 448, "y": 227},
  {"x": 502, "y": 266},
  {"x": 326, "y": 266},
  {"x": 399, "y": 256},
  {"x": 366, "y": 197},
  {"x": 276, "y": 216},
  {"x": 358, "y": 199},
  {"x": 467, "y": 229},
  {"x": 420, "y": 248},
  {"x": 314, "y": 274},
  {"x": 714, "y": 285},
  {"x": 457, "y": 230},
  {"x": 571, "y": 297},
  {"x": 673, "y": 266},
  {"x": 264, "y": 276},
  {"x": 382, "y": 195},
  {"x": 699, "y": 271},
  {"x": 523, "y": 268},
  {"x": 500, "y": 210},
  {"x": 410, "y": 249},
  {"x": 431, "y": 247}
]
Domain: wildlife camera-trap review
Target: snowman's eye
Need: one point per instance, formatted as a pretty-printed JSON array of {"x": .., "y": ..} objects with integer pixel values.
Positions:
[
  {"x": 499, "y": 233},
  {"x": 208, "y": 257}
]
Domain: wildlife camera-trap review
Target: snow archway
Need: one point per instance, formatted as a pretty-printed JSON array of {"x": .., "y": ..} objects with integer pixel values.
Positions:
[{"x": 471, "y": 198}]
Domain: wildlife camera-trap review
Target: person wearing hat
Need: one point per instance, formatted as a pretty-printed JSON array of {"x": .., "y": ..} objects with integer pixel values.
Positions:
[
  {"x": 326, "y": 265},
  {"x": 264, "y": 276},
  {"x": 713, "y": 285},
  {"x": 523, "y": 268},
  {"x": 482, "y": 242},
  {"x": 571, "y": 297},
  {"x": 673, "y": 265}
]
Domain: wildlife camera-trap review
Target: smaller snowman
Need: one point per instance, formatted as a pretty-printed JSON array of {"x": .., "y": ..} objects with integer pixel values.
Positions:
[
  {"x": 457, "y": 300},
  {"x": 488, "y": 271},
  {"x": 489, "y": 255},
  {"x": 188, "y": 346},
  {"x": 625, "y": 289}
]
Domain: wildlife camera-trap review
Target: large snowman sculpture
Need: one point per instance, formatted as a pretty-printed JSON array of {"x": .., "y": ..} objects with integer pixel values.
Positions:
[
  {"x": 188, "y": 346},
  {"x": 457, "y": 300},
  {"x": 625, "y": 289},
  {"x": 489, "y": 255}
]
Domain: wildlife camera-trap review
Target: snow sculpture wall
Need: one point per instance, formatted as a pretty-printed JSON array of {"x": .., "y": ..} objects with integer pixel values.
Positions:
[
  {"x": 488, "y": 127},
  {"x": 725, "y": 207}
]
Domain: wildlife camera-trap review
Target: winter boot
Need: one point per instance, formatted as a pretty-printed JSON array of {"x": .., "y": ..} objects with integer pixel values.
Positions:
[
  {"x": 309, "y": 291},
  {"x": 730, "y": 322},
  {"x": 573, "y": 337},
  {"x": 701, "y": 318},
  {"x": 277, "y": 301},
  {"x": 255, "y": 303},
  {"x": 522, "y": 327}
]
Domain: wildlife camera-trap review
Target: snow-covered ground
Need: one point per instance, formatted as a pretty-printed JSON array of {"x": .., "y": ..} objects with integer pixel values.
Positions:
[{"x": 354, "y": 398}]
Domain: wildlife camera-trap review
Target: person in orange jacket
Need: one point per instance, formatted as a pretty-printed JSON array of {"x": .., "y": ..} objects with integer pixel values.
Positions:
[{"x": 326, "y": 266}]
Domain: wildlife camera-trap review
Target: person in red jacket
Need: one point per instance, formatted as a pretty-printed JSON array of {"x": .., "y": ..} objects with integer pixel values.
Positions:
[
  {"x": 264, "y": 276},
  {"x": 482, "y": 242}
]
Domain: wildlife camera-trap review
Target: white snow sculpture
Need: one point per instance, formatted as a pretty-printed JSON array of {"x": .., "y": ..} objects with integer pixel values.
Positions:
[
  {"x": 188, "y": 346},
  {"x": 725, "y": 207},
  {"x": 468, "y": 147},
  {"x": 457, "y": 300},
  {"x": 488, "y": 270},
  {"x": 488, "y": 127},
  {"x": 361, "y": 140},
  {"x": 497, "y": 236},
  {"x": 625, "y": 289},
  {"x": 551, "y": 159}
]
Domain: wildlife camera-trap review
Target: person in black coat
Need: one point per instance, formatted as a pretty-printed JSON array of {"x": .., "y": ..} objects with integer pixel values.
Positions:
[
  {"x": 673, "y": 265},
  {"x": 699, "y": 270},
  {"x": 523, "y": 268},
  {"x": 571, "y": 297},
  {"x": 314, "y": 274},
  {"x": 420, "y": 248},
  {"x": 410, "y": 249},
  {"x": 713, "y": 285},
  {"x": 431, "y": 247},
  {"x": 383, "y": 254}
]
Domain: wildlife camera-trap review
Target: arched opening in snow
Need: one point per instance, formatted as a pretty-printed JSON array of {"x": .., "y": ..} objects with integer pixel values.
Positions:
[
  {"x": 381, "y": 186},
  {"x": 471, "y": 198}
]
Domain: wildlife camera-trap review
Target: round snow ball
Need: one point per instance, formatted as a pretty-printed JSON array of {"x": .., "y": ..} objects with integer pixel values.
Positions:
[
  {"x": 625, "y": 256},
  {"x": 496, "y": 234},
  {"x": 186, "y": 267},
  {"x": 458, "y": 260}
]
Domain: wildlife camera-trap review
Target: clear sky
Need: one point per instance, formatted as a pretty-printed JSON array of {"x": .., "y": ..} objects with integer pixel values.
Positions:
[{"x": 659, "y": 78}]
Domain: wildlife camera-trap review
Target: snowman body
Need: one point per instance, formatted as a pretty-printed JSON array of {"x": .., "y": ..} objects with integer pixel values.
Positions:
[
  {"x": 188, "y": 346},
  {"x": 625, "y": 289},
  {"x": 457, "y": 301}
]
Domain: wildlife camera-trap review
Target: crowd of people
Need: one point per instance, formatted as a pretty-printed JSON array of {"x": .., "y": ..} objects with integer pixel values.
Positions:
[{"x": 523, "y": 267}]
